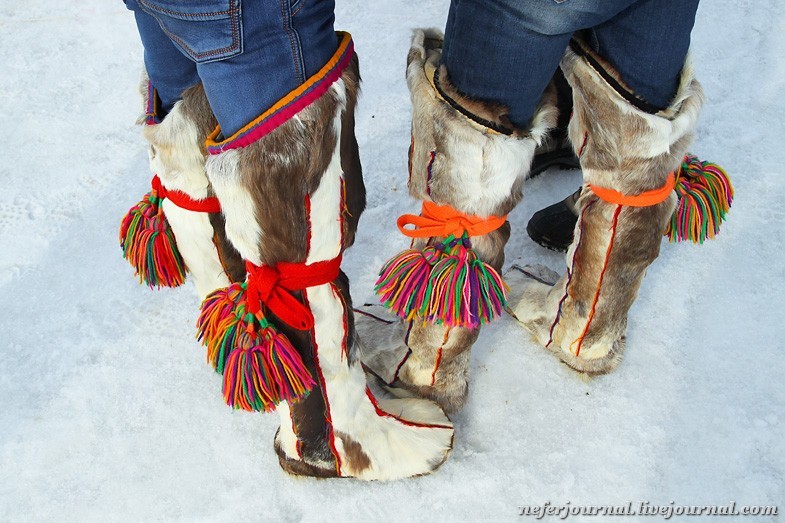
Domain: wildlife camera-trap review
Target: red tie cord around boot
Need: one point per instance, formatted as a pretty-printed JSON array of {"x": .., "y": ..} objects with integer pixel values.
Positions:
[
  {"x": 184, "y": 201},
  {"x": 273, "y": 287},
  {"x": 260, "y": 366},
  {"x": 446, "y": 283}
]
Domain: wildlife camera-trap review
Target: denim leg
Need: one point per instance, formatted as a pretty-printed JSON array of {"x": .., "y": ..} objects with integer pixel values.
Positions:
[
  {"x": 248, "y": 53},
  {"x": 647, "y": 44},
  {"x": 284, "y": 43},
  {"x": 506, "y": 51},
  {"x": 169, "y": 70}
]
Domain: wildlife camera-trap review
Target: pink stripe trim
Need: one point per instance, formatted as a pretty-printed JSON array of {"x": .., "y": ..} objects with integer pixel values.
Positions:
[{"x": 287, "y": 112}]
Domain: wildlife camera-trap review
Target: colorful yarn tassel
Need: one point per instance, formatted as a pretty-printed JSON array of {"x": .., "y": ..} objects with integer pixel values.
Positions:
[
  {"x": 149, "y": 245},
  {"x": 705, "y": 196},
  {"x": 444, "y": 284},
  {"x": 260, "y": 366},
  {"x": 220, "y": 322},
  {"x": 403, "y": 281}
]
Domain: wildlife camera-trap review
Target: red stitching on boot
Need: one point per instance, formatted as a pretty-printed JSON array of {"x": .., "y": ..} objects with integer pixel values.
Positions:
[
  {"x": 583, "y": 145},
  {"x": 570, "y": 272},
  {"x": 385, "y": 414},
  {"x": 439, "y": 357},
  {"x": 599, "y": 283},
  {"x": 400, "y": 366},
  {"x": 323, "y": 385}
]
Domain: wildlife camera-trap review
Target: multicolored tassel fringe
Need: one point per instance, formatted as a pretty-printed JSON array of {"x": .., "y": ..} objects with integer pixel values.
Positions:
[
  {"x": 260, "y": 366},
  {"x": 446, "y": 283},
  {"x": 149, "y": 245},
  {"x": 705, "y": 196}
]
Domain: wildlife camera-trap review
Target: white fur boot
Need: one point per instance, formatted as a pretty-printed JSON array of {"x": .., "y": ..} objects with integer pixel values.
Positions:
[
  {"x": 290, "y": 186},
  {"x": 178, "y": 227}
]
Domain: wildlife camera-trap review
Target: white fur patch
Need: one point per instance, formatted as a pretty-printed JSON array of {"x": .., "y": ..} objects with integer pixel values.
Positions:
[
  {"x": 286, "y": 436},
  {"x": 395, "y": 449},
  {"x": 325, "y": 217},
  {"x": 177, "y": 159},
  {"x": 237, "y": 205},
  {"x": 194, "y": 235}
]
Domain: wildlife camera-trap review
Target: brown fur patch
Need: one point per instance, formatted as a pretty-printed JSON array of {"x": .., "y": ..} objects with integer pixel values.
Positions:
[
  {"x": 356, "y": 460},
  {"x": 302, "y": 467},
  {"x": 354, "y": 203}
]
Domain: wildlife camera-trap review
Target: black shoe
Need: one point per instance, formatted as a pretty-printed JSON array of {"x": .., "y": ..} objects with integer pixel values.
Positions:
[
  {"x": 555, "y": 152},
  {"x": 553, "y": 226}
]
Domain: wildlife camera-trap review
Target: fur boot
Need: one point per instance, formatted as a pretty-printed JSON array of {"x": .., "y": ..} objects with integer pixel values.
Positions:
[
  {"x": 631, "y": 149},
  {"x": 177, "y": 157},
  {"x": 290, "y": 186},
  {"x": 468, "y": 157}
]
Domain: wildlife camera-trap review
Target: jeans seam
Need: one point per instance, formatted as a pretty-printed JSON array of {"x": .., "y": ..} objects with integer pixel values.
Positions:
[
  {"x": 186, "y": 15},
  {"x": 298, "y": 5},
  {"x": 215, "y": 52},
  {"x": 294, "y": 40}
]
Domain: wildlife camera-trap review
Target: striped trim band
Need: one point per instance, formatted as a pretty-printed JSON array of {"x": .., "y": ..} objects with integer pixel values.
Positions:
[{"x": 289, "y": 105}]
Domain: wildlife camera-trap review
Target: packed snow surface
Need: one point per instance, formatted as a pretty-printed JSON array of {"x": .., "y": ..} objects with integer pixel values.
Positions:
[{"x": 109, "y": 412}]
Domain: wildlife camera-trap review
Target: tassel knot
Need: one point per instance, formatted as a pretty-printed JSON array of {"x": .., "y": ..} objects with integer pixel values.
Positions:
[
  {"x": 259, "y": 364},
  {"x": 273, "y": 286},
  {"x": 446, "y": 283}
]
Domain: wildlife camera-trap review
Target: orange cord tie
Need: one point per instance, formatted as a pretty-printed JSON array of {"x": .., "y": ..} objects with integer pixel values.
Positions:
[
  {"x": 644, "y": 199},
  {"x": 442, "y": 220}
]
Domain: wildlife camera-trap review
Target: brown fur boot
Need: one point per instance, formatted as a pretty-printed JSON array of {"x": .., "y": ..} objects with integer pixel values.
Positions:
[
  {"x": 468, "y": 157},
  {"x": 582, "y": 318},
  {"x": 177, "y": 156},
  {"x": 290, "y": 186}
]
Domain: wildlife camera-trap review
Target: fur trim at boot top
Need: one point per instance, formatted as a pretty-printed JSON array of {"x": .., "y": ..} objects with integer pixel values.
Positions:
[
  {"x": 583, "y": 317},
  {"x": 298, "y": 215},
  {"x": 177, "y": 155},
  {"x": 466, "y": 154}
]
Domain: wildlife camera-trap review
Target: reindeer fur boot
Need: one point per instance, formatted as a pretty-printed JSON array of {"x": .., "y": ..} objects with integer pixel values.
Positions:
[
  {"x": 291, "y": 190},
  {"x": 467, "y": 164},
  {"x": 178, "y": 226},
  {"x": 629, "y": 154}
]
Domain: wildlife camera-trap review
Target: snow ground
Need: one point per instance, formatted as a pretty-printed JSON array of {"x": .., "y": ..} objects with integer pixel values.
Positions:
[{"x": 109, "y": 412}]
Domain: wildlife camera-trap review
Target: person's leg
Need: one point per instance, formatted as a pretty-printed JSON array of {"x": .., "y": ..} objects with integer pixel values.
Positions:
[
  {"x": 498, "y": 57},
  {"x": 646, "y": 44},
  {"x": 164, "y": 236},
  {"x": 284, "y": 44},
  {"x": 632, "y": 146},
  {"x": 169, "y": 70},
  {"x": 285, "y": 167},
  {"x": 506, "y": 52}
]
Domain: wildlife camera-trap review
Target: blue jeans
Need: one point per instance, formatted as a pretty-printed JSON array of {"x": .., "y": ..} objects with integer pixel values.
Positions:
[
  {"x": 506, "y": 51},
  {"x": 248, "y": 54}
]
